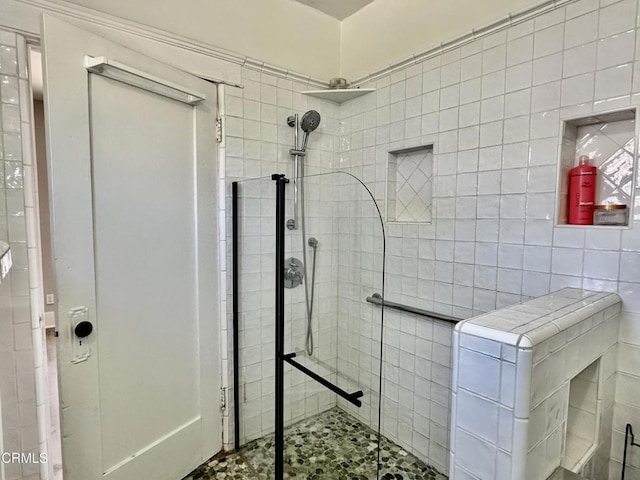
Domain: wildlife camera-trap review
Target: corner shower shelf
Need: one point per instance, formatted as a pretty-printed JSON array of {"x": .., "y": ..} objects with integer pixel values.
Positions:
[
  {"x": 5, "y": 260},
  {"x": 339, "y": 95}
]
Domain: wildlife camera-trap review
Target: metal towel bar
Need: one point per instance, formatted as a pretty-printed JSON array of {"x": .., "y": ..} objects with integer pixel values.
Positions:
[{"x": 377, "y": 299}]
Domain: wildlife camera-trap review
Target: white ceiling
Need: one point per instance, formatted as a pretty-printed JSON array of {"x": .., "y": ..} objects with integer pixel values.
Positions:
[{"x": 339, "y": 9}]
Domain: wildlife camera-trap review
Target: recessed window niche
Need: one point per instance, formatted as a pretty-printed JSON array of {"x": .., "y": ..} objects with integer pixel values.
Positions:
[
  {"x": 409, "y": 185},
  {"x": 609, "y": 140}
]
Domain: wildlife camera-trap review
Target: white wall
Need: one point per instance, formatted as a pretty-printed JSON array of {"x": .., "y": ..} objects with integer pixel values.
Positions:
[
  {"x": 279, "y": 32},
  {"x": 388, "y": 31}
]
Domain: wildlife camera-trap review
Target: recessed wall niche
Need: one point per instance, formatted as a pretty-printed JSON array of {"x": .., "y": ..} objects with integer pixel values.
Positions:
[
  {"x": 609, "y": 140},
  {"x": 582, "y": 418},
  {"x": 409, "y": 185}
]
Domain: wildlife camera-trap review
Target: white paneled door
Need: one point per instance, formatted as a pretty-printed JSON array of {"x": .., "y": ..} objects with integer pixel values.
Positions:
[{"x": 132, "y": 154}]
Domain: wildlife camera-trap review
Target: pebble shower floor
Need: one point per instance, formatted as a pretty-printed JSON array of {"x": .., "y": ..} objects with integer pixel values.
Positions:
[{"x": 332, "y": 445}]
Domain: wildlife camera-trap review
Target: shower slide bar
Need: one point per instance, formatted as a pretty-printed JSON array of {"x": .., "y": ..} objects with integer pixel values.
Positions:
[
  {"x": 349, "y": 397},
  {"x": 377, "y": 299}
]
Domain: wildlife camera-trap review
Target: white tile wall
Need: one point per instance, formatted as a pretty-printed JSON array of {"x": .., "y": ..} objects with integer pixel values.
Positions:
[
  {"x": 627, "y": 409},
  {"x": 21, "y": 348},
  {"x": 492, "y": 241},
  {"x": 341, "y": 215},
  {"x": 416, "y": 385},
  {"x": 492, "y": 109}
]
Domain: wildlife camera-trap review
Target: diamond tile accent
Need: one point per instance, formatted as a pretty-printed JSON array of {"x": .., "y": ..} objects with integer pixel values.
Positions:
[
  {"x": 611, "y": 147},
  {"x": 409, "y": 180}
]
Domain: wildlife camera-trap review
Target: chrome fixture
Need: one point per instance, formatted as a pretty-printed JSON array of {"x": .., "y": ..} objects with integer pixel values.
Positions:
[
  {"x": 377, "y": 299},
  {"x": 338, "y": 83},
  {"x": 313, "y": 243},
  {"x": 309, "y": 122},
  {"x": 293, "y": 272}
]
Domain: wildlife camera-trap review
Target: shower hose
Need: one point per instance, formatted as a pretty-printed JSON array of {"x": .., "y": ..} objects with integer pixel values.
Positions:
[{"x": 307, "y": 295}]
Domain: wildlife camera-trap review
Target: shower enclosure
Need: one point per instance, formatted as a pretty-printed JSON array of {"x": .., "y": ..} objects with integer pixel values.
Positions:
[{"x": 307, "y": 409}]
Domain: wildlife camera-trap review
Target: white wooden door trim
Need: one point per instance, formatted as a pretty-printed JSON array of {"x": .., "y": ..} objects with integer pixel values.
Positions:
[{"x": 72, "y": 210}]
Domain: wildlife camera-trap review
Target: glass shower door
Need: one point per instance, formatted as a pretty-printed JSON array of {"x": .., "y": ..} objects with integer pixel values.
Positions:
[
  {"x": 332, "y": 390},
  {"x": 319, "y": 416},
  {"x": 252, "y": 296}
]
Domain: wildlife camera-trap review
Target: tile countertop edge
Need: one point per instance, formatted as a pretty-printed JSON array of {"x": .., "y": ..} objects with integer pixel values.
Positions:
[
  {"x": 481, "y": 331},
  {"x": 590, "y": 306},
  {"x": 607, "y": 300}
]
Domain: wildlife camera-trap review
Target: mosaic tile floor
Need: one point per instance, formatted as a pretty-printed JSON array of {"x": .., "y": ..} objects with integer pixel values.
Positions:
[{"x": 332, "y": 446}]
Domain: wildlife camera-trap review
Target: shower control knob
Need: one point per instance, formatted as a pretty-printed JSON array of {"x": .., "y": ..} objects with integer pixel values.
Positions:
[
  {"x": 293, "y": 272},
  {"x": 83, "y": 329}
]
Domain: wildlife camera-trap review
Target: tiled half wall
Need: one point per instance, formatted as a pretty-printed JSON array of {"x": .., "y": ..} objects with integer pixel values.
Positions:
[{"x": 521, "y": 378}]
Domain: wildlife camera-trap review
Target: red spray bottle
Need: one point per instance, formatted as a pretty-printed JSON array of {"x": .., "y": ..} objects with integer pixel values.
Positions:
[{"x": 582, "y": 192}]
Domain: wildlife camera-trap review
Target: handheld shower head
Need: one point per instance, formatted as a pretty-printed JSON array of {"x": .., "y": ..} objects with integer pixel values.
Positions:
[
  {"x": 308, "y": 124},
  {"x": 310, "y": 121}
]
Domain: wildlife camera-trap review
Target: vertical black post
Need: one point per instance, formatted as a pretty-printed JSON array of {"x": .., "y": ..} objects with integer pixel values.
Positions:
[
  {"x": 279, "y": 321},
  {"x": 236, "y": 317}
]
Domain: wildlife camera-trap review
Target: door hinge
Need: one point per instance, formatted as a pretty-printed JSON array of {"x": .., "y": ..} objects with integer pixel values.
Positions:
[
  {"x": 219, "y": 129},
  {"x": 223, "y": 398}
]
